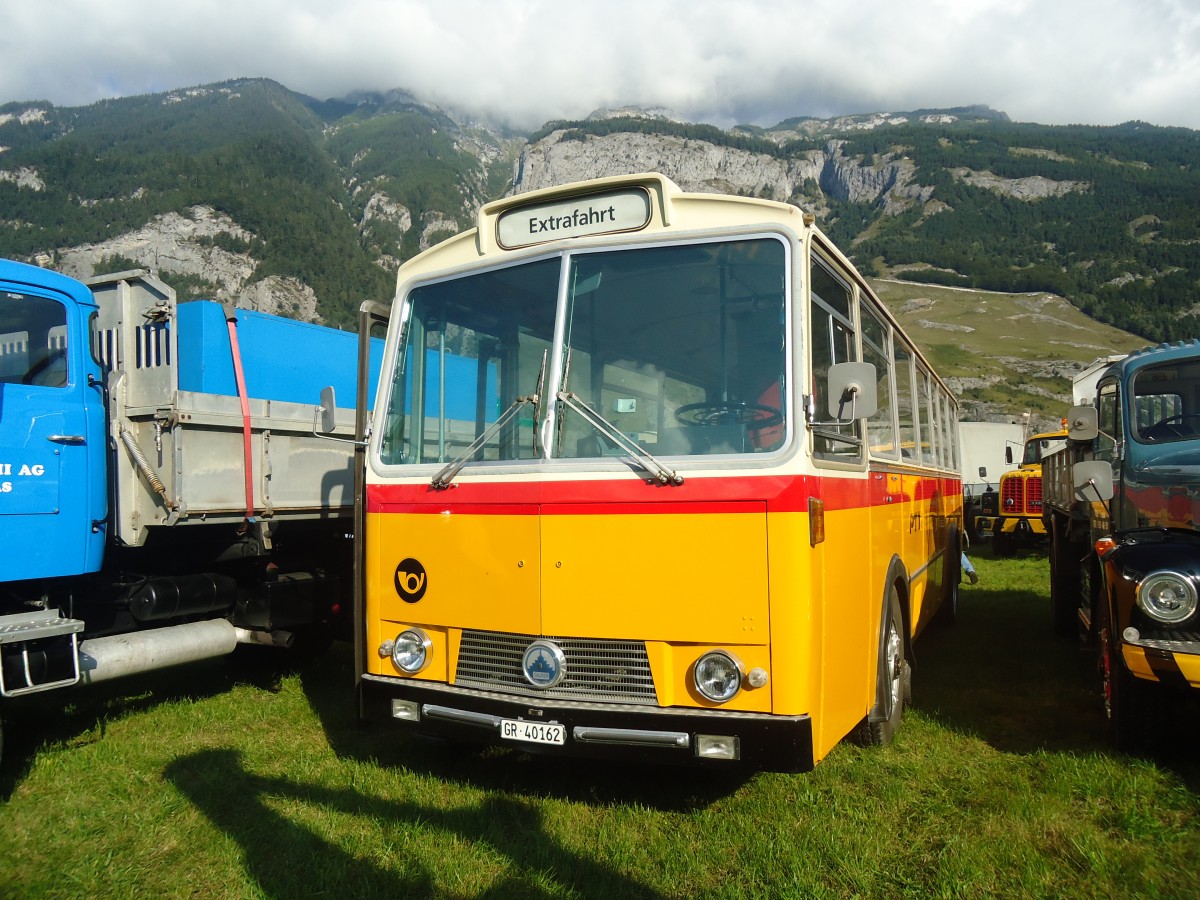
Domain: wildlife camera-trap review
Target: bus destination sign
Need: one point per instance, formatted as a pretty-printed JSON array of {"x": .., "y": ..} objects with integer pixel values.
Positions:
[{"x": 608, "y": 213}]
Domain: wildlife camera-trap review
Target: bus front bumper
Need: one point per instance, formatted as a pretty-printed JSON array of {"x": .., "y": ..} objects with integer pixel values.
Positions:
[{"x": 596, "y": 730}]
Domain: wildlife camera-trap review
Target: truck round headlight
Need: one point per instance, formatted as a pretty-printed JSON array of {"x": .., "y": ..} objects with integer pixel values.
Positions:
[
  {"x": 718, "y": 676},
  {"x": 411, "y": 650},
  {"x": 1167, "y": 597}
]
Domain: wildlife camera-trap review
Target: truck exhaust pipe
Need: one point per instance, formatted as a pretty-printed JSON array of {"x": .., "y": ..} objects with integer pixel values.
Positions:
[{"x": 121, "y": 655}]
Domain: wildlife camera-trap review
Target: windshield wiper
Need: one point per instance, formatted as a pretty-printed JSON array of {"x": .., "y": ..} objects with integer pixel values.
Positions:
[
  {"x": 442, "y": 479},
  {"x": 661, "y": 473}
]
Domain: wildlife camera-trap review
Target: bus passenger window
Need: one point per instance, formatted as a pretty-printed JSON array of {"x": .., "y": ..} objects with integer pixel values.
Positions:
[
  {"x": 905, "y": 410},
  {"x": 881, "y": 428},
  {"x": 930, "y": 433}
]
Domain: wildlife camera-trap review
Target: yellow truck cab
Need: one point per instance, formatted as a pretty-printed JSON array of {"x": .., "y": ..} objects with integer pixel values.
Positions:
[{"x": 1012, "y": 516}]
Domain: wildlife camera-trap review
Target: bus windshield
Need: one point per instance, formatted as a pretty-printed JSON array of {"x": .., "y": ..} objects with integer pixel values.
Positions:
[{"x": 680, "y": 348}]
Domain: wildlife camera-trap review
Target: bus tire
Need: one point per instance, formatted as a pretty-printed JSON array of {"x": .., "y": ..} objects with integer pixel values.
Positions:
[
  {"x": 893, "y": 681},
  {"x": 947, "y": 612}
]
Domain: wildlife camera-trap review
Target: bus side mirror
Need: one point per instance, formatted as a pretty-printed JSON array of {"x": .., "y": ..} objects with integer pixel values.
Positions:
[
  {"x": 1092, "y": 481},
  {"x": 852, "y": 391},
  {"x": 328, "y": 409},
  {"x": 1084, "y": 423}
]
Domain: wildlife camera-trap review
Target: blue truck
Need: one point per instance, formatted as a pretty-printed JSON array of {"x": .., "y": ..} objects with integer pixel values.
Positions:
[
  {"x": 1122, "y": 508},
  {"x": 163, "y": 496}
]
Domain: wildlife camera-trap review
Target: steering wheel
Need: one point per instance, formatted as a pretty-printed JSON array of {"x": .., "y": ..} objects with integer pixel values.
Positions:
[
  {"x": 1172, "y": 427},
  {"x": 753, "y": 416}
]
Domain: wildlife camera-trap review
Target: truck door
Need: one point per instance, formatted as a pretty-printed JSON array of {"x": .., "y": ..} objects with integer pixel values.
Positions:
[{"x": 52, "y": 447}]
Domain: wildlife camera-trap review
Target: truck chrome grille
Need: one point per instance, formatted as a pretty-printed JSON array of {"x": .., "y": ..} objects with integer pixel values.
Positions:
[
  {"x": 596, "y": 670},
  {"x": 1021, "y": 496}
]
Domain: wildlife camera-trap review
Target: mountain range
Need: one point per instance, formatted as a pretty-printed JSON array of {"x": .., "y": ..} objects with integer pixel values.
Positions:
[{"x": 247, "y": 191}]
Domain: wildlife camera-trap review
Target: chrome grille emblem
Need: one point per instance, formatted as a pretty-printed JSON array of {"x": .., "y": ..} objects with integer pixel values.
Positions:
[{"x": 544, "y": 664}]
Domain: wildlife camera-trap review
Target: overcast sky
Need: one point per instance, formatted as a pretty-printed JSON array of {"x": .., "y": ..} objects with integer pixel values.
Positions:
[{"x": 525, "y": 62}]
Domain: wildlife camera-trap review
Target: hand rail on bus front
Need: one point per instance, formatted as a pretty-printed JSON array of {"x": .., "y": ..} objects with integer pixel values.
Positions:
[{"x": 661, "y": 473}]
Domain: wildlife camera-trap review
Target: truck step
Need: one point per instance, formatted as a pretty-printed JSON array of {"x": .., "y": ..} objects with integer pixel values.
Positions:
[
  {"x": 35, "y": 625},
  {"x": 39, "y": 651}
]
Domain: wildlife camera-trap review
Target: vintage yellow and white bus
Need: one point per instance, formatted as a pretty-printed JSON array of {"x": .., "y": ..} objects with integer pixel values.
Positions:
[{"x": 650, "y": 475}]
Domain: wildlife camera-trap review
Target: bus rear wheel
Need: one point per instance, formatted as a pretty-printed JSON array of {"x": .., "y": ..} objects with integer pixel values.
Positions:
[
  {"x": 893, "y": 684},
  {"x": 947, "y": 612}
]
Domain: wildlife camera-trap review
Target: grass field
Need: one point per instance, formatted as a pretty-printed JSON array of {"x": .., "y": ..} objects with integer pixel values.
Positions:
[{"x": 231, "y": 781}]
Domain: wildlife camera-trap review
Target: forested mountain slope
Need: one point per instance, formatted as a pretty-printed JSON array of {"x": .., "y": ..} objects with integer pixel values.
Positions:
[{"x": 250, "y": 192}]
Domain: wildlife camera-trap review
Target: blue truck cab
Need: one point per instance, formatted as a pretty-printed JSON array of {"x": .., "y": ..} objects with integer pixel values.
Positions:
[{"x": 53, "y": 504}]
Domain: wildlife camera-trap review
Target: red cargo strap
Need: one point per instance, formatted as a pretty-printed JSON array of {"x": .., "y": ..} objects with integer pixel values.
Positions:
[{"x": 240, "y": 378}]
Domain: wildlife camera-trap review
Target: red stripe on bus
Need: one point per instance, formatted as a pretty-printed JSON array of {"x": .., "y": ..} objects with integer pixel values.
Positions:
[{"x": 696, "y": 495}]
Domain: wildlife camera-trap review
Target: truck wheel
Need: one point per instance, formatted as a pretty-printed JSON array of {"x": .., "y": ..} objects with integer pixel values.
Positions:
[
  {"x": 893, "y": 683},
  {"x": 1064, "y": 583},
  {"x": 1130, "y": 705},
  {"x": 1089, "y": 587},
  {"x": 1002, "y": 544}
]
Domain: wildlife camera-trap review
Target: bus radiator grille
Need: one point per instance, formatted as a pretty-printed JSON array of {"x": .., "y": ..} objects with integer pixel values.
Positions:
[{"x": 596, "y": 670}]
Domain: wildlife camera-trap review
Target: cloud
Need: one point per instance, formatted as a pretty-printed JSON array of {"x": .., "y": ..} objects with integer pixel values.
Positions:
[{"x": 524, "y": 62}]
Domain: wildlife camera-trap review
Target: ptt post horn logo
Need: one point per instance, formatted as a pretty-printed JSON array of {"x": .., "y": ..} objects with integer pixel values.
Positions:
[
  {"x": 411, "y": 580},
  {"x": 544, "y": 664}
]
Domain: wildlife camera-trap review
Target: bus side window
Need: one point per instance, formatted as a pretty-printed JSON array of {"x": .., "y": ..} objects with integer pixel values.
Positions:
[
  {"x": 905, "y": 407},
  {"x": 881, "y": 427},
  {"x": 931, "y": 437},
  {"x": 832, "y": 342}
]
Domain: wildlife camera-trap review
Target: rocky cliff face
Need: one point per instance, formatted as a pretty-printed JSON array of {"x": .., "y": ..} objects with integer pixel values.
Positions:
[
  {"x": 177, "y": 244},
  {"x": 699, "y": 166}
]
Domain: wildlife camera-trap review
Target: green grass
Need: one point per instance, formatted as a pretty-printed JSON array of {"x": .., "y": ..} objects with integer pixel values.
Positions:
[{"x": 231, "y": 781}]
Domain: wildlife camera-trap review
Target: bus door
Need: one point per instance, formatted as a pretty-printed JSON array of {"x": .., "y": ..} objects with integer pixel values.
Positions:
[{"x": 847, "y": 590}]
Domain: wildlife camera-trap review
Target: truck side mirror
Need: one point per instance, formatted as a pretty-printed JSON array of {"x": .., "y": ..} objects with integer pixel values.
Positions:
[
  {"x": 983, "y": 473},
  {"x": 328, "y": 409},
  {"x": 1092, "y": 480},
  {"x": 1008, "y": 455},
  {"x": 852, "y": 391},
  {"x": 1083, "y": 423}
]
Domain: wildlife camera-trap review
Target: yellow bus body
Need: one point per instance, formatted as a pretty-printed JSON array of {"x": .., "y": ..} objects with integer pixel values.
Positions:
[{"x": 784, "y": 562}]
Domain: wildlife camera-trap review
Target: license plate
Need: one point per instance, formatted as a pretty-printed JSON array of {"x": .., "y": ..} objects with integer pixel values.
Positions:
[{"x": 532, "y": 732}]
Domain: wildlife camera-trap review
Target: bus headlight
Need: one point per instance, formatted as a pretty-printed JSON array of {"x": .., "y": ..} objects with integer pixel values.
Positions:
[
  {"x": 410, "y": 652},
  {"x": 718, "y": 676},
  {"x": 1167, "y": 597}
]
